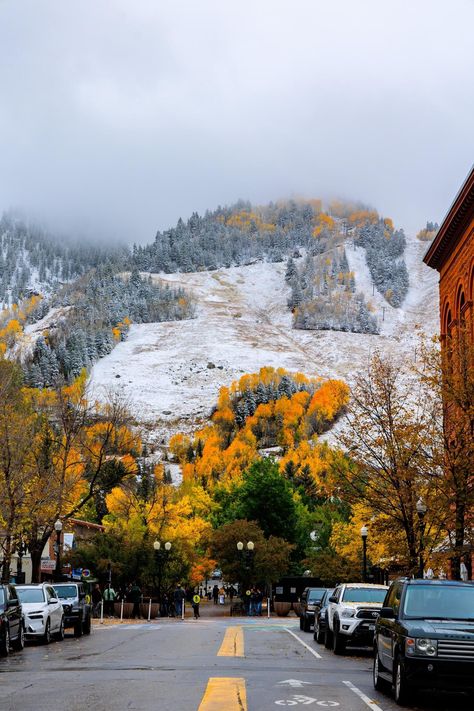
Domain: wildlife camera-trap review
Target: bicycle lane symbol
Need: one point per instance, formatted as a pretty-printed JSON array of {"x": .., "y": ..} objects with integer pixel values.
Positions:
[{"x": 297, "y": 699}]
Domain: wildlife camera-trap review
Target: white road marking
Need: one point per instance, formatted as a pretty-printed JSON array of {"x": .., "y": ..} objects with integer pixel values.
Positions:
[
  {"x": 313, "y": 652},
  {"x": 294, "y": 682},
  {"x": 370, "y": 703}
]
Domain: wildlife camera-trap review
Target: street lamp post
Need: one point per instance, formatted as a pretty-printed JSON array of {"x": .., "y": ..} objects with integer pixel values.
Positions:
[
  {"x": 20, "y": 576},
  {"x": 161, "y": 557},
  {"x": 58, "y": 527},
  {"x": 421, "y": 510},
  {"x": 247, "y": 556},
  {"x": 364, "y": 532}
]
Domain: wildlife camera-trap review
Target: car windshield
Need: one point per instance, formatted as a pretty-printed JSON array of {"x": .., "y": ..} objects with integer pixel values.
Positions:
[
  {"x": 64, "y": 591},
  {"x": 364, "y": 595},
  {"x": 30, "y": 594},
  {"x": 440, "y": 601},
  {"x": 315, "y": 594}
]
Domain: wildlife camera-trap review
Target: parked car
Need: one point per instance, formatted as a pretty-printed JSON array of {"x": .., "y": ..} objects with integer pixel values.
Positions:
[
  {"x": 320, "y": 617},
  {"x": 77, "y": 612},
  {"x": 424, "y": 637},
  {"x": 43, "y": 612},
  {"x": 352, "y": 612},
  {"x": 310, "y": 602},
  {"x": 12, "y": 630}
]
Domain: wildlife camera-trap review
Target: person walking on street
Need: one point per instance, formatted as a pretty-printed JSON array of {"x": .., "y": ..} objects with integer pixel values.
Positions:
[
  {"x": 195, "y": 603},
  {"x": 178, "y": 597},
  {"x": 258, "y": 602},
  {"x": 109, "y": 599},
  {"x": 215, "y": 594},
  {"x": 134, "y": 596},
  {"x": 96, "y": 600}
]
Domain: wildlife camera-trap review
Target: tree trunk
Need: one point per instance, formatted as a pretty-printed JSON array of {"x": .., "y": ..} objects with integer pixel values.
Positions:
[
  {"x": 36, "y": 546},
  {"x": 7, "y": 556}
]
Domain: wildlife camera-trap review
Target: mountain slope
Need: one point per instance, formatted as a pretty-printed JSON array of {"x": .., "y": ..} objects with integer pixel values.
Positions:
[{"x": 171, "y": 372}]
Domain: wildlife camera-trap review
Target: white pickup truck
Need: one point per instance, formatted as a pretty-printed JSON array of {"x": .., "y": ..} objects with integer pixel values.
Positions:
[{"x": 352, "y": 611}]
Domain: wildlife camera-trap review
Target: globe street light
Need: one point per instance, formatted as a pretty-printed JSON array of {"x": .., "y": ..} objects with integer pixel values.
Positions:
[
  {"x": 421, "y": 509},
  {"x": 58, "y": 527},
  {"x": 364, "y": 533}
]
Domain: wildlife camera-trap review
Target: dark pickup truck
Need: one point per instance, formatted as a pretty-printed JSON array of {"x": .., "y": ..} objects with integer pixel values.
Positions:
[{"x": 424, "y": 638}]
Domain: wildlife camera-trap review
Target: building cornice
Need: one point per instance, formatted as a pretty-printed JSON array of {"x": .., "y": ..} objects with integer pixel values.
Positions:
[{"x": 458, "y": 217}]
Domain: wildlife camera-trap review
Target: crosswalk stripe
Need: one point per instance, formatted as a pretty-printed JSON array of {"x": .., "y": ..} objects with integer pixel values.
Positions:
[
  {"x": 227, "y": 693},
  {"x": 233, "y": 643}
]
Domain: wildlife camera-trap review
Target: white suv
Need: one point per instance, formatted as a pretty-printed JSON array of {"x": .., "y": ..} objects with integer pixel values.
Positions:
[
  {"x": 43, "y": 612},
  {"x": 352, "y": 611}
]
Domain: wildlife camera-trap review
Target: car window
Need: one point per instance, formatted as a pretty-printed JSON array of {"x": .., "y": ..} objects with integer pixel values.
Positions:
[
  {"x": 51, "y": 593},
  {"x": 393, "y": 597},
  {"x": 316, "y": 594},
  {"x": 454, "y": 602},
  {"x": 31, "y": 594},
  {"x": 12, "y": 593},
  {"x": 64, "y": 591},
  {"x": 364, "y": 595},
  {"x": 327, "y": 595}
]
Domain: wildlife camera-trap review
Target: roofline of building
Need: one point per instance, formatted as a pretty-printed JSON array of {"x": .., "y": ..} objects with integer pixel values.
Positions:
[{"x": 452, "y": 225}]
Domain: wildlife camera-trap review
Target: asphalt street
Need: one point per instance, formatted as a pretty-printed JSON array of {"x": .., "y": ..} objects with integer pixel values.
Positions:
[{"x": 204, "y": 665}]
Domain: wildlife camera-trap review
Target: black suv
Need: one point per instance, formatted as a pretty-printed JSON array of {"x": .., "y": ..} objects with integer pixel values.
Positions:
[
  {"x": 12, "y": 628},
  {"x": 424, "y": 637},
  {"x": 320, "y": 617},
  {"x": 77, "y": 612},
  {"x": 310, "y": 603}
]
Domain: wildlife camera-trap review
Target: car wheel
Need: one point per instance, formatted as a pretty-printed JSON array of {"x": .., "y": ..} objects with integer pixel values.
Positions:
[
  {"x": 87, "y": 625},
  {"x": 306, "y": 624},
  {"x": 328, "y": 638},
  {"x": 60, "y": 633},
  {"x": 5, "y": 643},
  {"x": 338, "y": 642},
  {"x": 400, "y": 684},
  {"x": 301, "y": 622},
  {"x": 19, "y": 643},
  {"x": 78, "y": 629},
  {"x": 46, "y": 639},
  {"x": 379, "y": 683},
  {"x": 318, "y": 633}
]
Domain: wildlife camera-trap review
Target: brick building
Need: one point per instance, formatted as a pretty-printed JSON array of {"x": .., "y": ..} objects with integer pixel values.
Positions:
[{"x": 452, "y": 255}]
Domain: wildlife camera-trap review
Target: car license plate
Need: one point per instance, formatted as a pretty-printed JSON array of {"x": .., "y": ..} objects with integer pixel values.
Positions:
[{"x": 371, "y": 628}]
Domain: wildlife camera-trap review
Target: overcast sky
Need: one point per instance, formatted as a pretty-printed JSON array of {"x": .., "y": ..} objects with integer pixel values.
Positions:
[{"x": 118, "y": 116}]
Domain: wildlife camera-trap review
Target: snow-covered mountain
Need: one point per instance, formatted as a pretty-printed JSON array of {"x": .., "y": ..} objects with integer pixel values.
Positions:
[{"x": 171, "y": 373}]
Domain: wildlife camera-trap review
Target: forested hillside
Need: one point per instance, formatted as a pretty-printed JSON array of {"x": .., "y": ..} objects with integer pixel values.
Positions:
[
  {"x": 31, "y": 260},
  {"x": 76, "y": 292}
]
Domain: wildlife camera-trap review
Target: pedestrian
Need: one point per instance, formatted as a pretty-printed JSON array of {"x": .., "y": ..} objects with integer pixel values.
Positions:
[
  {"x": 135, "y": 595},
  {"x": 195, "y": 604},
  {"x": 164, "y": 605},
  {"x": 231, "y": 593},
  {"x": 215, "y": 594},
  {"x": 178, "y": 597},
  {"x": 258, "y": 601},
  {"x": 96, "y": 597},
  {"x": 222, "y": 596},
  {"x": 109, "y": 599},
  {"x": 247, "y": 602},
  {"x": 253, "y": 602}
]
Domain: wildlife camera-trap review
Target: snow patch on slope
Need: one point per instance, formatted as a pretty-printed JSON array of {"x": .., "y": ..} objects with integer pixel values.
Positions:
[{"x": 170, "y": 373}]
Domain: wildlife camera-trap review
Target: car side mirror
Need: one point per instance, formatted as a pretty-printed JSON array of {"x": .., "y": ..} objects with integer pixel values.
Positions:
[
  {"x": 333, "y": 598},
  {"x": 388, "y": 613},
  {"x": 53, "y": 600}
]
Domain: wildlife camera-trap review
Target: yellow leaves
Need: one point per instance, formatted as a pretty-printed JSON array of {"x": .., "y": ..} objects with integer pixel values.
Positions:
[
  {"x": 360, "y": 217},
  {"x": 10, "y": 333},
  {"x": 323, "y": 223},
  {"x": 116, "y": 333},
  {"x": 179, "y": 447},
  {"x": 76, "y": 391}
]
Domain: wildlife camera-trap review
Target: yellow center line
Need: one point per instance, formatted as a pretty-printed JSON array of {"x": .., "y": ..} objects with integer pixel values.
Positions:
[
  {"x": 233, "y": 643},
  {"x": 227, "y": 693}
]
